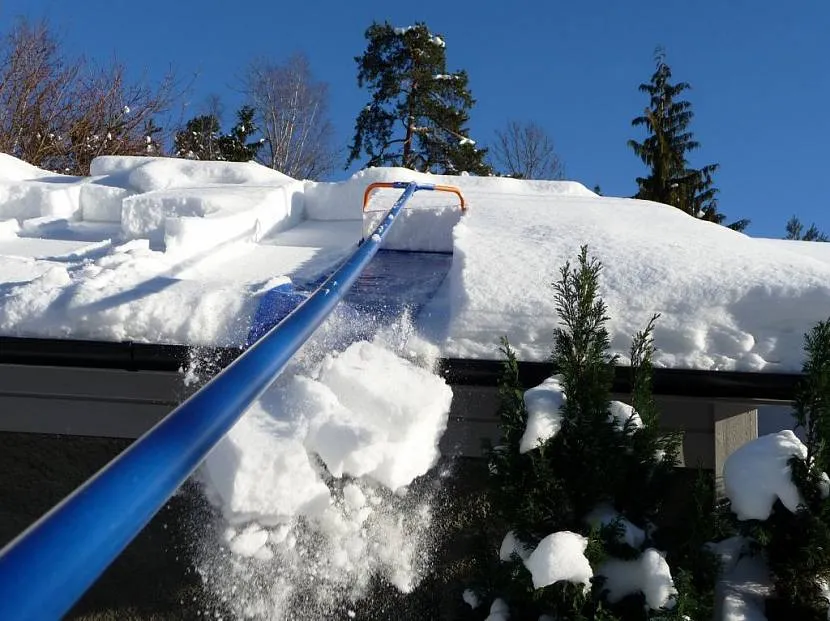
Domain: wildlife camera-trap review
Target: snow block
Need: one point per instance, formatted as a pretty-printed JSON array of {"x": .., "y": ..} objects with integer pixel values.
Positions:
[
  {"x": 196, "y": 219},
  {"x": 148, "y": 174},
  {"x": 33, "y": 199},
  {"x": 9, "y": 228},
  {"x": 102, "y": 203},
  {"x": 417, "y": 229}
]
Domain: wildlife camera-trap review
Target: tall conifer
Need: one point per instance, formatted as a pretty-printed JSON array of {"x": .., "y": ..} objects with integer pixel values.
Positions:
[
  {"x": 417, "y": 117},
  {"x": 665, "y": 151}
]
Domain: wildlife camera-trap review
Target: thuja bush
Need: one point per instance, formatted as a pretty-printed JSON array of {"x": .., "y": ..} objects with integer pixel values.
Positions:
[{"x": 601, "y": 470}]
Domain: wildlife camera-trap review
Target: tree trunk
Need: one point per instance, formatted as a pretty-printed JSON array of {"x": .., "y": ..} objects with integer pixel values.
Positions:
[{"x": 407, "y": 143}]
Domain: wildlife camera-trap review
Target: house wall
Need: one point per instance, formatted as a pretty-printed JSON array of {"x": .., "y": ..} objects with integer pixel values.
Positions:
[
  {"x": 712, "y": 429},
  {"x": 85, "y": 402},
  {"x": 124, "y": 404}
]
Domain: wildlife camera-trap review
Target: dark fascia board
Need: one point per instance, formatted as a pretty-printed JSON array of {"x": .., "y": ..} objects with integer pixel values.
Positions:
[
  {"x": 132, "y": 356},
  {"x": 738, "y": 385},
  {"x": 126, "y": 355}
]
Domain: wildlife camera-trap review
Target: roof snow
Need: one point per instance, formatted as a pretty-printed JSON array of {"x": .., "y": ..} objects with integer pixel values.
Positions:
[{"x": 211, "y": 236}]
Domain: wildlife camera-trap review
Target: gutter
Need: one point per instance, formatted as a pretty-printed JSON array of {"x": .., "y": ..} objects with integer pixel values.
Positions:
[{"x": 131, "y": 356}]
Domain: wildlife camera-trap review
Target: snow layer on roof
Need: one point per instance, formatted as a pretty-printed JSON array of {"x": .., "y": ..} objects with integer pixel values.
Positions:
[
  {"x": 727, "y": 301},
  {"x": 13, "y": 169},
  {"x": 146, "y": 174}
]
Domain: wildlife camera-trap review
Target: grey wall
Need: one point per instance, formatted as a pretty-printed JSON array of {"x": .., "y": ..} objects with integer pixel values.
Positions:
[{"x": 115, "y": 403}]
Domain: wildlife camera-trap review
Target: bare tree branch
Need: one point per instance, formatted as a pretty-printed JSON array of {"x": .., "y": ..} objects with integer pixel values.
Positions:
[
  {"x": 291, "y": 110},
  {"x": 527, "y": 152},
  {"x": 59, "y": 114}
]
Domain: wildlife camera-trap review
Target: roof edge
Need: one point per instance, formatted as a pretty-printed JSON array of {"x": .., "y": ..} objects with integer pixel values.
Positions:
[{"x": 132, "y": 356}]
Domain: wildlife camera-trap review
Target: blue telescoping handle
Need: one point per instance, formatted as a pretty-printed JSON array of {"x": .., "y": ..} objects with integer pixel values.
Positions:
[{"x": 46, "y": 569}]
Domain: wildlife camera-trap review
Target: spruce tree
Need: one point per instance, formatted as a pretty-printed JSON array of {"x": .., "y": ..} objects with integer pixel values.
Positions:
[
  {"x": 795, "y": 230},
  {"x": 671, "y": 179},
  {"x": 202, "y": 139},
  {"x": 418, "y": 113},
  {"x": 199, "y": 140},
  {"x": 594, "y": 460},
  {"x": 237, "y": 145}
]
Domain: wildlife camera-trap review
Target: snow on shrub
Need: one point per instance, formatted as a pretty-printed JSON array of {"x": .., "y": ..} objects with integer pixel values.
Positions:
[
  {"x": 759, "y": 473},
  {"x": 604, "y": 514},
  {"x": 470, "y": 598},
  {"x": 499, "y": 611},
  {"x": 560, "y": 556},
  {"x": 510, "y": 546},
  {"x": 622, "y": 414},
  {"x": 649, "y": 575},
  {"x": 544, "y": 415}
]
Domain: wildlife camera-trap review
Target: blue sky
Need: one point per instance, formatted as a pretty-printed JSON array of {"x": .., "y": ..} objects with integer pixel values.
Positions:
[{"x": 759, "y": 72}]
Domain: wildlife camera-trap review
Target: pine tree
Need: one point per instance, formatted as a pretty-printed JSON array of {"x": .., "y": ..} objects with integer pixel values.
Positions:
[
  {"x": 237, "y": 145},
  {"x": 593, "y": 460},
  {"x": 796, "y": 545},
  {"x": 199, "y": 140},
  {"x": 795, "y": 230},
  {"x": 202, "y": 139},
  {"x": 418, "y": 113},
  {"x": 665, "y": 151}
]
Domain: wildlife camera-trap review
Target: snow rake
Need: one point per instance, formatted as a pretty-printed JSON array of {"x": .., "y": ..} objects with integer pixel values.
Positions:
[
  {"x": 45, "y": 569},
  {"x": 421, "y": 228}
]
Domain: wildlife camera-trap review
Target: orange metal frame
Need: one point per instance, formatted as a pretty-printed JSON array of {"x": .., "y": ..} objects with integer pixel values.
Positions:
[{"x": 387, "y": 184}]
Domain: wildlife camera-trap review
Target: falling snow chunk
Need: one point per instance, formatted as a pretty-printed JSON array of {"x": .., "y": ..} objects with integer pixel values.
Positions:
[
  {"x": 758, "y": 473},
  {"x": 249, "y": 542},
  {"x": 649, "y": 575},
  {"x": 389, "y": 419},
  {"x": 544, "y": 416},
  {"x": 560, "y": 556},
  {"x": 361, "y": 410}
]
